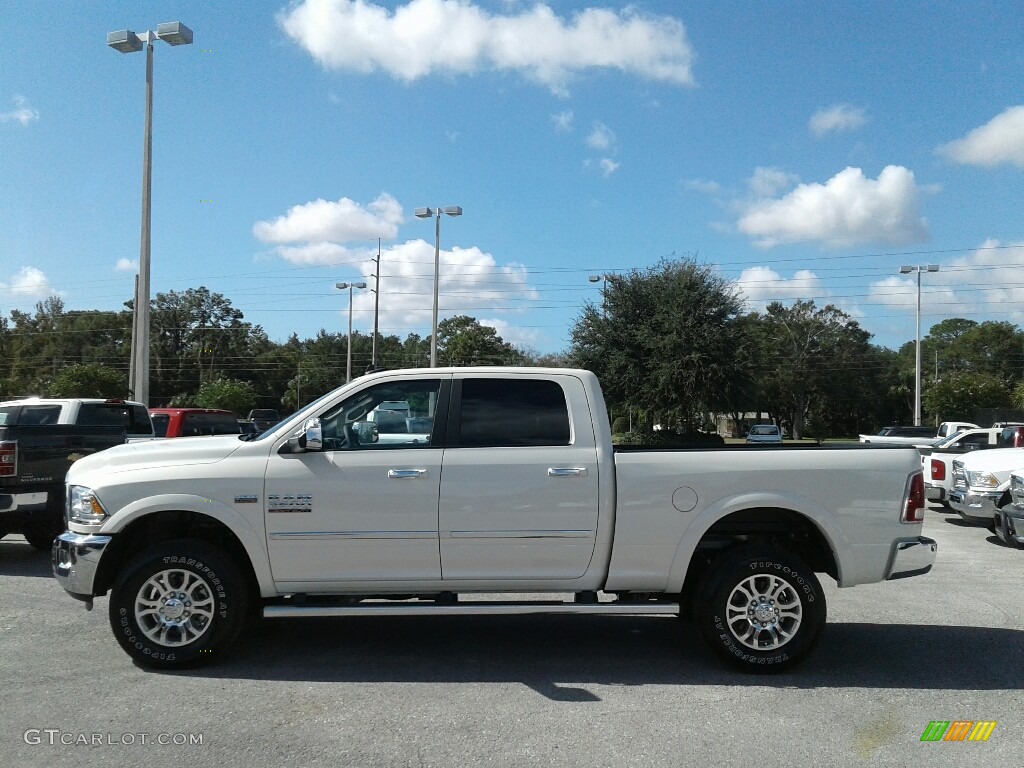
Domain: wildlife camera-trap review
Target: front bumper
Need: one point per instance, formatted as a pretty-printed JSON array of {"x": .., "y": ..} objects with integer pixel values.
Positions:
[
  {"x": 76, "y": 558},
  {"x": 975, "y": 507},
  {"x": 911, "y": 557},
  {"x": 1009, "y": 526}
]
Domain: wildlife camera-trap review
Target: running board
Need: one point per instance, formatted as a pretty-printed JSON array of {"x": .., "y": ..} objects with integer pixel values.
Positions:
[{"x": 468, "y": 609}]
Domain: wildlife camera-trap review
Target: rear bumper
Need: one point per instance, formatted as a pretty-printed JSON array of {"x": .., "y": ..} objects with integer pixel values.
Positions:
[
  {"x": 911, "y": 557},
  {"x": 23, "y": 502},
  {"x": 934, "y": 492},
  {"x": 76, "y": 558}
]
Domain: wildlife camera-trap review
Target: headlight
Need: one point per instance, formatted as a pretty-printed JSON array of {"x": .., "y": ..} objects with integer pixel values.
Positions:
[
  {"x": 982, "y": 480},
  {"x": 84, "y": 507}
]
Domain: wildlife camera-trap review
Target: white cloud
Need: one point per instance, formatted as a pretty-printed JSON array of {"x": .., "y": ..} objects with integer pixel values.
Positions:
[
  {"x": 849, "y": 209},
  {"x": 768, "y": 182},
  {"x": 703, "y": 186},
  {"x": 563, "y": 121},
  {"x": 514, "y": 334},
  {"x": 29, "y": 283},
  {"x": 22, "y": 113},
  {"x": 999, "y": 142},
  {"x": 126, "y": 265},
  {"x": 983, "y": 285},
  {"x": 470, "y": 281},
  {"x": 335, "y": 221},
  {"x": 835, "y": 119},
  {"x": 761, "y": 285},
  {"x": 423, "y": 37},
  {"x": 607, "y": 166},
  {"x": 601, "y": 138}
]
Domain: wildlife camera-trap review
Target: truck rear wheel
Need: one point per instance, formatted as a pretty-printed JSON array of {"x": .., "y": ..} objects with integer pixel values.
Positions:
[
  {"x": 178, "y": 603},
  {"x": 762, "y": 610}
]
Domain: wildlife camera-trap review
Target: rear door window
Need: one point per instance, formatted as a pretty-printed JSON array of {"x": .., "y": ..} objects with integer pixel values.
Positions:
[{"x": 512, "y": 412}]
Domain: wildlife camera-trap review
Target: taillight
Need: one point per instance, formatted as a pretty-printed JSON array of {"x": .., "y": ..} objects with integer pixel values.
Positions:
[
  {"x": 9, "y": 458},
  {"x": 938, "y": 470},
  {"x": 913, "y": 505}
]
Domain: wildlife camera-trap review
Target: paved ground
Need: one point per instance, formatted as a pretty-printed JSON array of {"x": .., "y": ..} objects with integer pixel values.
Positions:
[{"x": 514, "y": 691}]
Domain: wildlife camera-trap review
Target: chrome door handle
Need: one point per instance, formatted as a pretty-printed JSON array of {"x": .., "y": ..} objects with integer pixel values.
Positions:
[
  {"x": 403, "y": 474},
  {"x": 567, "y": 471}
]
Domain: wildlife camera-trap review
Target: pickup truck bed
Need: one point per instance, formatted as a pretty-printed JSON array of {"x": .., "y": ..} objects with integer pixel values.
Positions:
[{"x": 514, "y": 488}]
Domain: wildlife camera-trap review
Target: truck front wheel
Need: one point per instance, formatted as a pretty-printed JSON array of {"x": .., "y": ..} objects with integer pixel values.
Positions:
[
  {"x": 178, "y": 603},
  {"x": 762, "y": 610}
]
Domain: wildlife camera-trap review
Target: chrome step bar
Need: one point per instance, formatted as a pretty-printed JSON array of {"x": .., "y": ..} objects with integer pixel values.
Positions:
[{"x": 470, "y": 608}]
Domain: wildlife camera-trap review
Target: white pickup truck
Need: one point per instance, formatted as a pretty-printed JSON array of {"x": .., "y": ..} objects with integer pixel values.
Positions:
[
  {"x": 981, "y": 483},
  {"x": 518, "y": 491}
]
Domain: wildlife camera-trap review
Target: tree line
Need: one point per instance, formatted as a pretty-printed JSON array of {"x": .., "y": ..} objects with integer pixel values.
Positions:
[{"x": 672, "y": 345}]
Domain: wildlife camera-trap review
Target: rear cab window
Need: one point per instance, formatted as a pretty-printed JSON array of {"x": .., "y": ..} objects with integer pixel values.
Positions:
[
  {"x": 510, "y": 413},
  {"x": 134, "y": 418}
]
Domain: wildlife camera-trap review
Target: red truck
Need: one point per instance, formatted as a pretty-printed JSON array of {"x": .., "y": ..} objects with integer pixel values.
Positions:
[{"x": 192, "y": 422}]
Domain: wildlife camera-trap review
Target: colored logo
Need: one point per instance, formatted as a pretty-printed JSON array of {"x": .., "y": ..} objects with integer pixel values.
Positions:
[{"x": 958, "y": 730}]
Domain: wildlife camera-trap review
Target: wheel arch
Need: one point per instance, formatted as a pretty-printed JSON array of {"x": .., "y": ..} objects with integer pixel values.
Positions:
[
  {"x": 805, "y": 535},
  {"x": 155, "y": 527}
]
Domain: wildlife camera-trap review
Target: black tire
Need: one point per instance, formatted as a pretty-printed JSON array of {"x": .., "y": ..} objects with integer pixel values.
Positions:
[
  {"x": 179, "y": 603},
  {"x": 741, "y": 609},
  {"x": 41, "y": 537}
]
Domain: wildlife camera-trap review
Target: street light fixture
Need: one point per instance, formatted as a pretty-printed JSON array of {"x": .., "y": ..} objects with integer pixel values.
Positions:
[
  {"x": 603, "y": 279},
  {"x": 906, "y": 270},
  {"x": 426, "y": 213},
  {"x": 350, "y": 286},
  {"x": 126, "y": 41}
]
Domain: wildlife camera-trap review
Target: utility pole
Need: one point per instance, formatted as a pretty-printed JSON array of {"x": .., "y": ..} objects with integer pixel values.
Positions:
[{"x": 376, "y": 306}]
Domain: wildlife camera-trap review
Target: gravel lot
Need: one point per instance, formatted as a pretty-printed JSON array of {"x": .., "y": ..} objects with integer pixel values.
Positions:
[{"x": 543, "y": 691}]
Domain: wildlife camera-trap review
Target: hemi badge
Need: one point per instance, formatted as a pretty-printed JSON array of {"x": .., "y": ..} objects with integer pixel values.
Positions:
[{"x": 246, "y": 499}]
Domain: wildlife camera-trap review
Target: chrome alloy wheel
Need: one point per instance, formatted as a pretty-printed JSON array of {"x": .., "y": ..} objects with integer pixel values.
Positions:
[
  {"x": 174, "y": 607},
  {"x": 764, "y": 612}
]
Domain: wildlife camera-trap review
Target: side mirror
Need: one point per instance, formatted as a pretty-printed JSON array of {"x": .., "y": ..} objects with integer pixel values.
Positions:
[
  {"x": 314, "y": 435},
  {"x": 366, "y": 431}
]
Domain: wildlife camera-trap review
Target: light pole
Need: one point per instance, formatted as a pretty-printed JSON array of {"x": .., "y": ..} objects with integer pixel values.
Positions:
[
  {"x": 603, "y": 279},
  {"x": 426, "y": 213},
  {"x": 906, "y": 270},
  {"x": 126, "y": 41},
  {"x": 350, "y": 286}
]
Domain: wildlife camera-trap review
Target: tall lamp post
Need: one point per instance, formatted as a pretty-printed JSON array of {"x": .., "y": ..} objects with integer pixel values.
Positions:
[
  {"x": 906, "y": 270},
  {"x": 350, "y": 286},
  {"x": 426, "y": 213},
  {"x": 126, "y": 41},
  {"x": 603, "y": 279}
]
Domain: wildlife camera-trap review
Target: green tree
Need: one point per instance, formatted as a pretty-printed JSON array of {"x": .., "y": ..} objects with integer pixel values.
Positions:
[
  {"x": 665, "y": 341},
  {"x": 228, "y": 394},
  {"x": 957, "y": 394},
  {"x": 89, "y": 380},
  {"x": 462, "y": 340}
]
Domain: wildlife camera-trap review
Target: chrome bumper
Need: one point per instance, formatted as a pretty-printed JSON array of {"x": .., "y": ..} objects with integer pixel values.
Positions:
[
  {"x": 76, "y": 558},
  {"x": 934, "y": 492},
  {"x": 975, "y": 507},
  {"x": 911, "y": 557},
  {"x": 1008, "y": 525}
]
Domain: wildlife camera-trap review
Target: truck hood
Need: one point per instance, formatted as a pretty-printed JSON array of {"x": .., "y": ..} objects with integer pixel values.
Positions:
[
  {"x": 178, "y": 451},
  {"x": 996, "y": 460}
]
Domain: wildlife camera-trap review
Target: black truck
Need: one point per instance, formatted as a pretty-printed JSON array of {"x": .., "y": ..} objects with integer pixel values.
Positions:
[{"x": 34, "y": 458}]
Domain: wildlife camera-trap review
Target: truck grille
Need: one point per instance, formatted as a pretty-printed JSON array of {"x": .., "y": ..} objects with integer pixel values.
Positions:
[
  {"x": 1017, "y": 490},
  {"x": 959, "y": 478}
]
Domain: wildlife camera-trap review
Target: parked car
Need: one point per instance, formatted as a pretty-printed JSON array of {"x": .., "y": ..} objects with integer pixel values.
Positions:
[
  {"x": 910, "y": 435},
  {"x": 192, "y": 422},
  {"x": 937, "y": 459},
  {"x": 764, "y": 434},
  {"x": 519, "y": 489},
  {"x": 264, "y": 417},
  {"x": 1008, "y": 521}
]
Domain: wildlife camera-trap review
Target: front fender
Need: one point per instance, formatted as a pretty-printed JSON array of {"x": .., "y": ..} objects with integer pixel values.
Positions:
[
  {"x": 251, "y": 538},
  {"x": 823, "y": 520}
]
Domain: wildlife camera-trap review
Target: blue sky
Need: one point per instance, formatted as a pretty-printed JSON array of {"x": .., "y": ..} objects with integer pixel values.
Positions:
[{"x": 803, "y": 149}]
